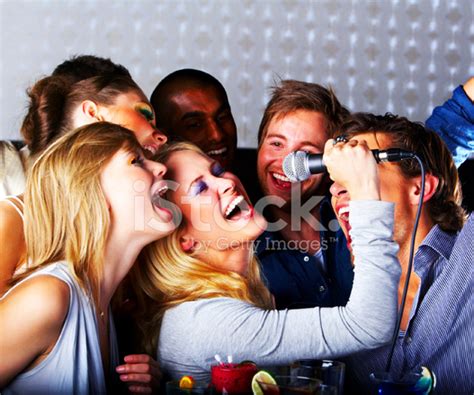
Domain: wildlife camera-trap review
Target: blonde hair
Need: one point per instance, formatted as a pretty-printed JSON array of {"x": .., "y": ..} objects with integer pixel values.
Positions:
[
  {"x": 168, "y": 275},
  {"x": 66, "y": 214}
]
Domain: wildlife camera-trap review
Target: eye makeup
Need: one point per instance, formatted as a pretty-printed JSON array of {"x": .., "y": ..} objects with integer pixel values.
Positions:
[
  {"x": 198, "y": 187},
  {"x": 136, "y": 157},
  {"x": 146, "y": 111},
  {"x": 137, "y": 160}
]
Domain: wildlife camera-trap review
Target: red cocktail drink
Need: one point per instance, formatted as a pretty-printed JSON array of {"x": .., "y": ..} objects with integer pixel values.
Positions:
[{"x": 233, "y": 378}]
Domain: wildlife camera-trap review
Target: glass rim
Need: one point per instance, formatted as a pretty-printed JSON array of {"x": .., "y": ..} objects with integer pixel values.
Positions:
[
  {"x": 301, "y": 378},
  {"x": 386, "y": 377},
  {"x": 233, "y": 366}
]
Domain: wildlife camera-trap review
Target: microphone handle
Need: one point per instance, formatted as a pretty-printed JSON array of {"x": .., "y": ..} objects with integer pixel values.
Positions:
[
  {"x": 391, "y": 155},
  {"x": 315, "y": 164}
]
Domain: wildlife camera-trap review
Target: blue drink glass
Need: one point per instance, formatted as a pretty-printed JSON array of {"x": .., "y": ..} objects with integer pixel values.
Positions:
[{"x": 408, "y": 384}]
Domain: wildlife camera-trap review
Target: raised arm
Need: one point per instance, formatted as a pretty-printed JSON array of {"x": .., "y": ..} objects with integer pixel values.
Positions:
[
  {"x": 228, "y": 326},
  {"x": 454, "y": 122},
  {"x": 279, "y": 337},
  {"x": 31, "y": 318}
]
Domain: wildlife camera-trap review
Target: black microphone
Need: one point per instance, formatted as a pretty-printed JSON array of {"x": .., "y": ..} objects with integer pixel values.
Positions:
[{"x": 299, "y": 165}]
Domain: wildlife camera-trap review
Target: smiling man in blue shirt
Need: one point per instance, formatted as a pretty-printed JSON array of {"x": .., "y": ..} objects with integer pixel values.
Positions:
[
  {"x": 303, "y": 253},
  {"x": 437, "y": 324}
]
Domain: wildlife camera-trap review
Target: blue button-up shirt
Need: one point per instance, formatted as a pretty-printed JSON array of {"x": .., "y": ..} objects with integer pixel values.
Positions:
[
  {"x": 297, "y": 279},
  {"x": 440, "y": 333}
]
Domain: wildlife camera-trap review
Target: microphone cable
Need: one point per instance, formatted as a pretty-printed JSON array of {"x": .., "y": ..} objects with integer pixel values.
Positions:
[
  {"x": 296, "y": 168},
  {"x": 410, "y": 266}
]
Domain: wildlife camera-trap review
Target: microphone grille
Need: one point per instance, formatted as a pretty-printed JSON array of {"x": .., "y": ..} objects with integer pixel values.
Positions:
[{"x": 294, "y": 166}]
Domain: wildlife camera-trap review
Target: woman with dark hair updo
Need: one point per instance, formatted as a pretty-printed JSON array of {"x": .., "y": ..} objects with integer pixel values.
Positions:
[
  {"x": 58, "y": 104},
  {"x": 12, "y": 158}
]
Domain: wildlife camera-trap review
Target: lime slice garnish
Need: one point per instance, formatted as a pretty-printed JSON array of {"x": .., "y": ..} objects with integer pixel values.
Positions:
[{"x": 261, "y": 376}]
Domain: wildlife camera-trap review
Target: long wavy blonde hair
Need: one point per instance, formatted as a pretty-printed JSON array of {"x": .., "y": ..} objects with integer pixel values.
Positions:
[
  {"x": 66, "y": 214},
  {"x": 167, "y": 276}
]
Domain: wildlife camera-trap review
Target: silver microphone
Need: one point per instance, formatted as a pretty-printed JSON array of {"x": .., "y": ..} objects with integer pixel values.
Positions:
[{"x": 300, "y": 165}]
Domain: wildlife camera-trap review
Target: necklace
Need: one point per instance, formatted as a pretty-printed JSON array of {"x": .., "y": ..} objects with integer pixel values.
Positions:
[{"x": 101, "y": 314}]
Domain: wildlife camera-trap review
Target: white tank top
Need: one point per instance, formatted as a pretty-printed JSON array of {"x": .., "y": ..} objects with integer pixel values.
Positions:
[{"x": 74, "y": 365}]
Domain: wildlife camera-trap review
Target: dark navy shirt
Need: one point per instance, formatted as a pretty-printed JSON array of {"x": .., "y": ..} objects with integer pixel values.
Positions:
[
  {"x": 297, "y": 279},
  {"x": 440, "y": 332}
]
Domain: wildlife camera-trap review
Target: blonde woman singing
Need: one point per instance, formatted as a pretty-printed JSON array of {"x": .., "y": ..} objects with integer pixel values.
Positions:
[
  {"x": 206, "y": 285},
  {"x": 92, "y": 203}
]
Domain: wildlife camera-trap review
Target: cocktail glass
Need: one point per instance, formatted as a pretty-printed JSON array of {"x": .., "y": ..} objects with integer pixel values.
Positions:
[
  {"x": 409, "y": 384},
  {"x": 329, "y": 372},
  {"x": 291, "y": 385},
  {"x": 233, "y": 378}
]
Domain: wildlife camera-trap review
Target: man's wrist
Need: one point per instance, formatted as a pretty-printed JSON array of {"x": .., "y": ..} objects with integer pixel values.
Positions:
[{"x": 469, "y": 89}]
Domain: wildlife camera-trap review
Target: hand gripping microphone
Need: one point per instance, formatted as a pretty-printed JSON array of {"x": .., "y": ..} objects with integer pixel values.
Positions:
[{"x": 299, "y": 165}]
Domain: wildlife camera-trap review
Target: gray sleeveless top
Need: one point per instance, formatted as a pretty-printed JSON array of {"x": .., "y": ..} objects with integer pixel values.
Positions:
[{"x": 74, "y": 365}]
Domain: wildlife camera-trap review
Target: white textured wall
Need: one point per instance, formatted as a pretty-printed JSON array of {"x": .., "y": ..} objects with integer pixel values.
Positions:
[{"x": 386, "y": 55}]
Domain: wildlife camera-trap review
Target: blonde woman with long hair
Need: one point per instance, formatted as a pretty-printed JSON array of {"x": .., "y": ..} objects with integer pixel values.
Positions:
[
  {"x": 92, "y": 203},
  {"x": 205, "y": 282}
]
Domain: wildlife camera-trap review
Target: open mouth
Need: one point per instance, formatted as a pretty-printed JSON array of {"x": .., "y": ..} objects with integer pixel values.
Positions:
[
  {"x": 151, "y": 148},
  {"x": 281, "y": 181},
  {"x": 215, "y": 152},
  {"x": 237, "y": 209},
  {"x": 158, "y": 195},
  {"x": 343, "y": 215}
]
